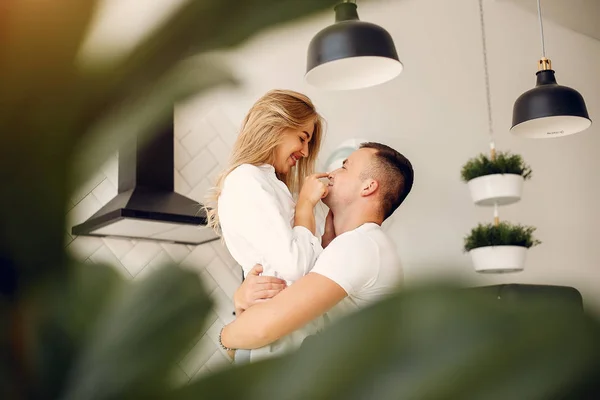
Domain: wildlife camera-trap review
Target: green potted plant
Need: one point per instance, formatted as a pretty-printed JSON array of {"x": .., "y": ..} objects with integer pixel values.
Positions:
[
  {"x": 499, "y": 247},
  {"x": 497, "y": 179}
]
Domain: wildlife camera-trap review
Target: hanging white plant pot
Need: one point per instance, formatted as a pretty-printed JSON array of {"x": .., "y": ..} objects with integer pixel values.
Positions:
[
  {"x": 501, "y": 189},
  {"x": 498, "y": 259}
]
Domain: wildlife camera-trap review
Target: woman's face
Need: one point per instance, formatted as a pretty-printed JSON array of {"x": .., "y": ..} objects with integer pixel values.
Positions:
[{"x": 293, "y": 147}]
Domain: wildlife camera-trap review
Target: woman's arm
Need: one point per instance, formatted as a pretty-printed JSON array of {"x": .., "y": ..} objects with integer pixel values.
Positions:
[{"x": 311, "y": 193}]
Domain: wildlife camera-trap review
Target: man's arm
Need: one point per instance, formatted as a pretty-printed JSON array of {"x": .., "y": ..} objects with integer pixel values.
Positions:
[{"x": 308, "y": 298}]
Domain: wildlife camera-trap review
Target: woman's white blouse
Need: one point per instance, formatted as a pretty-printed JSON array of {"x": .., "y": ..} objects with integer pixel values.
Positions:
[{"x": 256, "y": 213}]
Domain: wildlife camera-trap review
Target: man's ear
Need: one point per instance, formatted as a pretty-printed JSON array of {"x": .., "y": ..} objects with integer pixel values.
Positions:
[{"x": 369, "y": 186}]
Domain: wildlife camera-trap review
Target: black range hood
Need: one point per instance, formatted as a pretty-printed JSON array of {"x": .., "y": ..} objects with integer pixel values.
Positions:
[{"x": 146, "y": 206}]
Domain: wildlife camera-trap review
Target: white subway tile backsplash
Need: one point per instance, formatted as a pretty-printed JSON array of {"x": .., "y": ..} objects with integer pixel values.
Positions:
[
  {"x": 218, "y": 361},
  {"x": 227, "y": 130},
  {"x": 68, "y": 239},
  {"x": 119, "y": 247},
  {"x": 223, "y": 253},
  {"x": 238, "y": 273},
  {"x": 210, "y": 319},
  {"x": 81, "y": 192},
  {"x": 105, "y": 192},
  {"x": 139, "y": 256},
  {"x": 187, "y": 114},
  {"x": 199, "y": 137},
  {"x": 208, "y": 282},
  {"x": 104, "y": 256},
  {"x": 177, "y": 252},
  {"x": 223, "y": 305},
  {"x": 199, "y": 192},
  {"x": 230, "y": 137},
  {"x": 214, "y": 173},
  {"x": 162, "y": 259},
  {"x": 199, "y": 258},
  {"x": 224, "y": 277},
  {"x": 111, "y": 169},
  {"x": 213, "y": 333},
  {"x": 83, "y": 210},
  {"x": 82, "y": 247},
  {"x": 182, "y": 157},
  {"x": 220, "y": 150},
  {"x": 198, "y": 356},
  {"x": 181, "y": 186},
  {"x": 202, "y": 372},
  {"x": 199, "y": 167}
]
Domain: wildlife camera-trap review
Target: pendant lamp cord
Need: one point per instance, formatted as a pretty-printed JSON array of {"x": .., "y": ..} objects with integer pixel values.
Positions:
[
  {"x": 539, "y": 7},
  {"x": 489, "y": 100},
  {"x": 487, "y": 82}
]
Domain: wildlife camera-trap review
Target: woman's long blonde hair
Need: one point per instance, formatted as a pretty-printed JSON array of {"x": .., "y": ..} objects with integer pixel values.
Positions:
[{"x": 260, "y": 134}]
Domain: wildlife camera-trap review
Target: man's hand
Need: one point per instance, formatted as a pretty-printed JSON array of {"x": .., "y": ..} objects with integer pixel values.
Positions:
[
  {"x": 256, "y": 288},
  {"x": 329, "y": 233}
]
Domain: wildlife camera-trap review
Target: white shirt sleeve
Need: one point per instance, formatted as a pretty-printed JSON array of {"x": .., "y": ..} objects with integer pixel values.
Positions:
[
  {"x": 255, "y": 213},
  {"x": 351, "y": 260}
]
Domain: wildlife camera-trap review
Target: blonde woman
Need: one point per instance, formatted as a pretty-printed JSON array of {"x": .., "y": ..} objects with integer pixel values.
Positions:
[{"x": 263, "y": 202}]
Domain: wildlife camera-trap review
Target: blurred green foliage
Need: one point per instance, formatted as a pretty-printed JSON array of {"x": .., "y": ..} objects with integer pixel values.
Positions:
[{"x": 71, "y": 331}]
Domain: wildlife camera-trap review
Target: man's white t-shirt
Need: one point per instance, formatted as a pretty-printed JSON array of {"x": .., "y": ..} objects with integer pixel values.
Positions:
[
  {"x": 256, "y": 214},
  {"x": 364, "y": 263}
]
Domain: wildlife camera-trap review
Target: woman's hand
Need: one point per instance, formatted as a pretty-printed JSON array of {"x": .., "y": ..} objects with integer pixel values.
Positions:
[
  {"x": 313, "y": 190},
  {"x": 256, "y": 288}
]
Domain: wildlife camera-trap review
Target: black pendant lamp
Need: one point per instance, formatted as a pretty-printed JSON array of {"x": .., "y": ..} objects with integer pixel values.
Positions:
[
  {"x": 351, "y": 54},
  {"x": 549, "y": 110}
]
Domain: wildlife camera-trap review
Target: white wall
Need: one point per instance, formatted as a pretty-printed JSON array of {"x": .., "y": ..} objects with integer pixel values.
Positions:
[{"x": 435, "y": 113}]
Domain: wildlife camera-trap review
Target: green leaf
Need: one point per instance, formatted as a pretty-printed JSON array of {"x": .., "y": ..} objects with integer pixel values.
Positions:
[
  {"x": 439, "y": 343},
  {"x": 40, "y": 42},
  {"x": 235, "y": 382},
  {"x": 124, "y": 101},
  {"x": 138, "y": 114},
  {"x": 196, "y": 27},
  {"x": 138, "y": 339},
  {"x": 60, "y": 315}
]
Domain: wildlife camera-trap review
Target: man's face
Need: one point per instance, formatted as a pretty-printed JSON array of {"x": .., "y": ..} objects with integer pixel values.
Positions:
[{"x": 346, "y": 183}]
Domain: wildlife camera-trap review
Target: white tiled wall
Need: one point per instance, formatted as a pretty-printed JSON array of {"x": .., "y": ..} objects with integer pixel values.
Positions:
[{"x": 201, "y": 147}]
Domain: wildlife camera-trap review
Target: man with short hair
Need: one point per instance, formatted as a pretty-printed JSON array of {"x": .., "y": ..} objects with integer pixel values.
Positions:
[{"x": 357, "y": 268}]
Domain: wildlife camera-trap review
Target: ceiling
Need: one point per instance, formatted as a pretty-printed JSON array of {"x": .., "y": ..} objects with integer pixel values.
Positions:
[{"x": 578, "y": 15}]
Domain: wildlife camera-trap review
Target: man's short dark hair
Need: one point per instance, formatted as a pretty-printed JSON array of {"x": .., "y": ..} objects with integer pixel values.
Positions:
[{"x": 394, "y": 173}]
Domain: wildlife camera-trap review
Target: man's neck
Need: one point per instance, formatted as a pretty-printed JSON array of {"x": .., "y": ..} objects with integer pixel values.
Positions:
[{"x": 351, "y": 218}]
